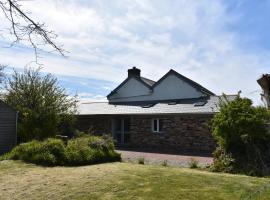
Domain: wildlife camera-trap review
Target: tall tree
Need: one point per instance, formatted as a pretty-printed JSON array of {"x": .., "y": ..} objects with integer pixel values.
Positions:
[{"x": 43, "y": 105}]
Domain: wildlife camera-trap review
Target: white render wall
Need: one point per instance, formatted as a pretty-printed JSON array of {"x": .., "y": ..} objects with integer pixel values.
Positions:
[{"x": 172, "y": 87}]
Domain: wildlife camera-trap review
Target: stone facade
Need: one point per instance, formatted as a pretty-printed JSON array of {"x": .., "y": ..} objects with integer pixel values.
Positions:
[{"x": 181, "y": 133}]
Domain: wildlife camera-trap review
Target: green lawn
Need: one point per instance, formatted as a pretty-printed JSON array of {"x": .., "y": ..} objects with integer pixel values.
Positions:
[{"x": 121, "y": 181}]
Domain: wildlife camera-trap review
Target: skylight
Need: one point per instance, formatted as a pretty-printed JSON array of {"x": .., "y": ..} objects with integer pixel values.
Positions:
[
  {"x": 200, "y": 103},
  {"x": 148, "y": 105}
]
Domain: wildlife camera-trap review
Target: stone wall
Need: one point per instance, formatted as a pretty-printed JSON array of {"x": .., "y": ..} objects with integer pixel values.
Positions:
[
  {"x": 181, "y": 133},
  {"x": 98, "y": 124}
]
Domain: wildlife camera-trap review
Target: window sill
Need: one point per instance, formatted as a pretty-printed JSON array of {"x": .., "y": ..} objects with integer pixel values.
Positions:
[{"x": 158, "y": 132}]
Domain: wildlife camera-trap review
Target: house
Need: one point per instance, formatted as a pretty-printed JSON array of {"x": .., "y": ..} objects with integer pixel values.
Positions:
[
  {"x": 8, "y": 127},
  {"x": 172, "y": 114}
]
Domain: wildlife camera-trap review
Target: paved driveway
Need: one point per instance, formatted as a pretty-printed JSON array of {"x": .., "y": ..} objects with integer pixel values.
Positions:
[{"x": 158, "y": 158}]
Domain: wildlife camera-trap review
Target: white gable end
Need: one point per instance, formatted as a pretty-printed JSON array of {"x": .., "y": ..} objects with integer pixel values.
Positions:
[
  {"x": 132, "y": 88},
  {"x": 172, "y": 87}
]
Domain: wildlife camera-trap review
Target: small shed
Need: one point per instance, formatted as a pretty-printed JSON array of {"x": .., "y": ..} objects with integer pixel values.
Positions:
[{"x": 8, "y": 127}]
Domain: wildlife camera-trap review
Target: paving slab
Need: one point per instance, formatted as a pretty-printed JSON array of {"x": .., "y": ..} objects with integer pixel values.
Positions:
[{"x": 159, "y": 158}]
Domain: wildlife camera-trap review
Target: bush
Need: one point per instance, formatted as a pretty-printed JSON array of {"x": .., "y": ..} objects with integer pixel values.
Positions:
[
  {"x": 49, "y": 152},
  {"x": 164, "y": 163},
  {"x": 89, "y": 150},
  {"x": 141, "y": 161},
  {"x": 78, "y": 151},
  {"x": 242, "y": 137},
  {"x": 222, "y": 162},
  {"x": 193, "y": 163}
]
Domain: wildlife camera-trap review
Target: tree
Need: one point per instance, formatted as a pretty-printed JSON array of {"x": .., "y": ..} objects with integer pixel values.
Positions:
[
  {"x": 44, "y": 107},
  {"x": 2, "y": 78},
  {"x": 242, "y": 137},
  {"x": 24, "y": 29},
  {"x": 2, "y": 75},
  {"x": 264, "y": 82}
]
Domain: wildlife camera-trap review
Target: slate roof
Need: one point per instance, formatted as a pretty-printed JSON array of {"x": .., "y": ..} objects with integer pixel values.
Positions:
[
  {"x": 148, "y": 81},
  {"x": 152, "y": 84},
  {"x": 184, "y": 107}
]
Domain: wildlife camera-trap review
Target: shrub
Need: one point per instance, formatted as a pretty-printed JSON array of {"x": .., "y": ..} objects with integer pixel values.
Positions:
[
  {"x": 141, "y": 161},
  {"x": 242, "y": 137},
  {"x": 164, "y": 163},
  {"x": 90, "y": 149},
  {"x": 49, "y": 152},
  {"x": 78, "y": 151},
  {"x": 222, "y": 162},
  {"x": 193, "y": 163}
]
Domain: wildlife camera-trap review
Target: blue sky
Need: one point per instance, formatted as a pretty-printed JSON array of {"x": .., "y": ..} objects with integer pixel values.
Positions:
[{"x": 223, "y": 45}]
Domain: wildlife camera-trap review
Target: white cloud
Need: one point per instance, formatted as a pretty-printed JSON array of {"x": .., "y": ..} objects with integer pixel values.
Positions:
[
  {"x": 97, "y": 98},
  {"x": 105, "y": 38},
  {"x": 85, "y": 94},
  {"x": 90, "y": 97},
  {"x": 106, "y": 88}
]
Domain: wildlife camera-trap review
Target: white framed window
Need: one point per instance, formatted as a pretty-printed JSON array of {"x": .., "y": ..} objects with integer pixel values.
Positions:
[{"x": 157, "y": 125}]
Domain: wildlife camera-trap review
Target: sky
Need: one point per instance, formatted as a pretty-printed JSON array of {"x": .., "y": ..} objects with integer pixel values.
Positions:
[{"x": 223, "y": 45}]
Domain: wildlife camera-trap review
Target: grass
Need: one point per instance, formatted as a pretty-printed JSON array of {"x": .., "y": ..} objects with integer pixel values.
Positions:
[{"x": 121, "y": 181}]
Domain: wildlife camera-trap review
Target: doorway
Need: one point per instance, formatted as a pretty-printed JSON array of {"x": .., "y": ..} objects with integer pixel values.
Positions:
[{"x": 121, "y": 130}]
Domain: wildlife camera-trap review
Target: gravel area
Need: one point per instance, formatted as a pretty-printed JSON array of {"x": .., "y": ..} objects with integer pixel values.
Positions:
[{"x": 159, "y": 158}]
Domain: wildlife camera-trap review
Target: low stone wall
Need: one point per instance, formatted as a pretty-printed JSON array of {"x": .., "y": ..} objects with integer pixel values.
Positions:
[{"x": 181, "y": 133}]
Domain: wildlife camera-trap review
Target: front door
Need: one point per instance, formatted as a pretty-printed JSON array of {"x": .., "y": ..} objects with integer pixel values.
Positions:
[{"x": 122, "y": 130}]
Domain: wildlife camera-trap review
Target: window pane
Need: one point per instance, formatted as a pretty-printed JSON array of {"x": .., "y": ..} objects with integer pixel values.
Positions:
[
  {"x": 118, "y": 137},
  {"x": 155, "y": 125},
  {"x": 118, "y": 124},
  {"x": 127, "y": 125},
  {"x": 126, "y": 138},
  {"x": 160, "y": 125}
]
